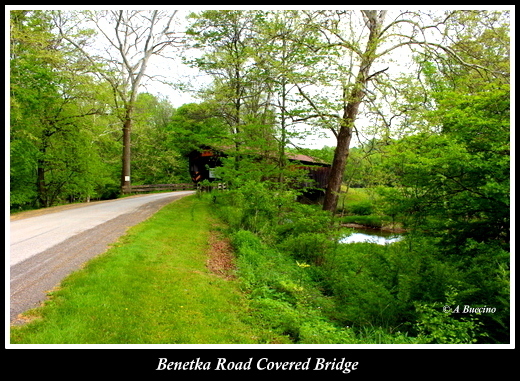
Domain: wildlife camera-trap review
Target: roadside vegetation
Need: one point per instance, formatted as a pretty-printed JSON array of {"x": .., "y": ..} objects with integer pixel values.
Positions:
[
  {"x": 228, "y": 267},
  {"x": 314, "y": 289},
  {"x": 153, "y": 286}
]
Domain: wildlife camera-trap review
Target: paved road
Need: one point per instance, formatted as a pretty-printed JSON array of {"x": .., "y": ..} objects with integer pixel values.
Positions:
[{"x": 45, "y": 248}]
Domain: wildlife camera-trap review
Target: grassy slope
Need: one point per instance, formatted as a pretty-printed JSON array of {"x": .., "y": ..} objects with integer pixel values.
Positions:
[{"x": 153, "y": 286}]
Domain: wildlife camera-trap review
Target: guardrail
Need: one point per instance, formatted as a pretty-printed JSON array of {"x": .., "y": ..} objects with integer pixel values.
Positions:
[{"x": 159, "y": 187}]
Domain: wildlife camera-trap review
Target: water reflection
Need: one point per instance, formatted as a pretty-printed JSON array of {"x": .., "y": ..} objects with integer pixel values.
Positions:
[
  {"x": 360, "y": 237},
  {"x": 371, "y": 236}
]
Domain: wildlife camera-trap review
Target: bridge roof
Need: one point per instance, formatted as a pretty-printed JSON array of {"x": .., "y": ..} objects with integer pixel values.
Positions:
[{"x": 304, "y": 159}]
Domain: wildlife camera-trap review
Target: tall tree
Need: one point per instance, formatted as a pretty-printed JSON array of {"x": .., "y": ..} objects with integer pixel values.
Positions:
[
  {"x": 360, "y": 50},
  {"x": 351, "y": 103},
  {"x": 155, "y": 156},
  {"x": 253, "y": 58},
  {"x": 131, "y": 38},
  {"x": 281, "y": 55},
  {"x": 55, "y": 108},
  {"x": 31, "y": 93},
  {"x": 452, "y": 181},
  {"x": 226, "y": 38}
]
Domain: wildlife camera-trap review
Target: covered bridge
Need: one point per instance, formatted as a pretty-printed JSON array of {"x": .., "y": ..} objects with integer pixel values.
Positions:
[{"x": 202, "y": 164}]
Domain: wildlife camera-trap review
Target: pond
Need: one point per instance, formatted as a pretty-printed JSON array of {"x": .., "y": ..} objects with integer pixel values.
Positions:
[{"x": 371, "y": 236}]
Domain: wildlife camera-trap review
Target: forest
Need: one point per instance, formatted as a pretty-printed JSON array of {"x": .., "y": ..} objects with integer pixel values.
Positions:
[{"x": 417, "y": 101}]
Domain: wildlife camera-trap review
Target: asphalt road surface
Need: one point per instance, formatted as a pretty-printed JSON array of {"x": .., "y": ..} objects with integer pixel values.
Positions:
[{"x": 49, "y": 244}]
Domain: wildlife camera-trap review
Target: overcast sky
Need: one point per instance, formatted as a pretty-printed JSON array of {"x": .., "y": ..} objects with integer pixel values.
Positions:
[{"x": 179, "y": 73}]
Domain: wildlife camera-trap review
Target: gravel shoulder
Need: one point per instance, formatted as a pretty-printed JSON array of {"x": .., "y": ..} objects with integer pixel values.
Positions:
[{"x": 34, "y": 277}]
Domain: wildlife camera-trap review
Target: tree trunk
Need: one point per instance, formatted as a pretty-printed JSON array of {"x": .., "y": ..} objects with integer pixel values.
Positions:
[
  {"x": 338, "y": 168},
  {"x": 283, "y": 131},
  {"x": 373, "y": 20},
  {"x": 41, "y": 186},
  {"x": 125, "y": 171}
]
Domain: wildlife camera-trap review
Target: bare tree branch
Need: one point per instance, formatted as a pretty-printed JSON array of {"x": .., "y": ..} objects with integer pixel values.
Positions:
[{"x": 135, "y": 38}]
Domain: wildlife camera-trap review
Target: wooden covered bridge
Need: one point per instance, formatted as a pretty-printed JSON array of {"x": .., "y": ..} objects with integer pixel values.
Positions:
[{"x": 203, "y": 164}]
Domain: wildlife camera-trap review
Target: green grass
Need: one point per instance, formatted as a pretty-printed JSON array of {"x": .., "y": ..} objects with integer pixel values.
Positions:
[
  {"x": 371, "y": 220},
  {"x": 151, "y": 287},
  {"x": 355, "y": 194},
  {"x": 353, "y": 197}
]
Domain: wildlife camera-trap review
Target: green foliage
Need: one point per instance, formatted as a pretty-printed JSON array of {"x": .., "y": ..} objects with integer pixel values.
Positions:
[
  {"x": 263, "y": 273},
  {"x": 256, "y": 207},
  {"x": 308, "y": 246},
  {"x": 364, "y": 283},
  {"x": 22, "y": 168},
  {"x": 299, "y": 276},
  {"x": 459, "y": 178},
  {"x": 486, "y": 281},
  {"x": 153, "y": 287},
  {"x": 64, "y": 134},
  {"x": 326, "y": 153},
  {"x": 158, "y": 153},
  {"x": 363, "y": 208},
  {"x": 436, "y": 325},
  {"x": 253, "y": 255},
  {"x": 281, "y": 293},
  {"x": 196, "y": 125},
  {"x": 371, "y": 220},
  {"x": 447, "y": 182},
  {"x": 59, "y": 146},
  {"x": 457, "y": 181},
  {"x": 358, "y": 201},
  {"x": 357, "y": 293},
  {"x": 454, "y": 187},
  {"x": 297, "y": 268}
]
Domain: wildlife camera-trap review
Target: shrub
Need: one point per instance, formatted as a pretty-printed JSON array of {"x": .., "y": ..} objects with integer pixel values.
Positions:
[
  {"x": 280, "y": 315},
  {"x": 377, "y": 285},
  {"x": 320, "y": 331},
  {"x": 311, "y": 247},
  {"x": 437, "y": 326},
  {"x": 109, "y": 191},
  {"x": 258, "y": 207},
  {"x": 261, "y": 267},
  {"x": 372, "y": 220},
  {"x": 363, "y": 208},
  {"x": 306, "y": 285},
  {"x": 379, "y": 335}
]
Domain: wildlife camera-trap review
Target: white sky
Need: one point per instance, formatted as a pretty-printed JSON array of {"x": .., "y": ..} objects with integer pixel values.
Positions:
[{"x": 176, "y": 70}]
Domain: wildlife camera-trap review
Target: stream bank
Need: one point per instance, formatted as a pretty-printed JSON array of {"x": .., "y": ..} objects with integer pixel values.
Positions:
[
  {"x": 382, "y": 230},
  {"x": 380, "y": 236}
]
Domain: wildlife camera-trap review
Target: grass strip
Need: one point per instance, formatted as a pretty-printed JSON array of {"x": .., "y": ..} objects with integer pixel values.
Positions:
[{"x": 152, "y": 287}]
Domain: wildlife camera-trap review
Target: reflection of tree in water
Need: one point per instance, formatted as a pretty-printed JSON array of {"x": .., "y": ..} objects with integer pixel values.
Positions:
[{"x": 371, "y": 236}]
